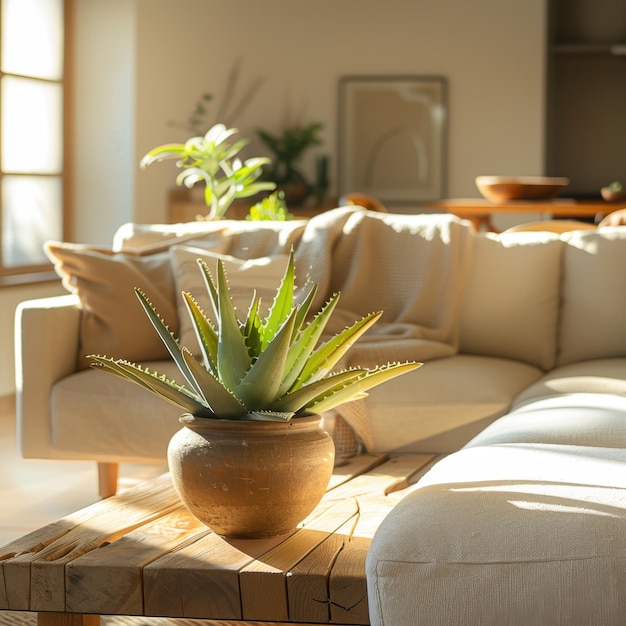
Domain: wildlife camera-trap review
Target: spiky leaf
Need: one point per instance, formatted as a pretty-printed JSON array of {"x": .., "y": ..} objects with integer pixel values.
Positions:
[
  {"x": 221, "y": 400},
  {"x": 358, "y": 387},
  {"x": 165, "y": 388},
  {"x": 233, "y": 359},
  {"x": 262, "y": 381},
  {"x": 328, "y": 355},
  {"x": 204, "y": 331},
  {"x": 172, "y": 345}
]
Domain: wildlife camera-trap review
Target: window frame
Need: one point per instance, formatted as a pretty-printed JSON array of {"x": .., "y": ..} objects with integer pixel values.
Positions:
[{"x": 28, "y": 274}]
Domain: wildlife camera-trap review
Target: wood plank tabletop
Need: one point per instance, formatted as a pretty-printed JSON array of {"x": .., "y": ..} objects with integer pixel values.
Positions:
[{"x": 142, "y": 553}]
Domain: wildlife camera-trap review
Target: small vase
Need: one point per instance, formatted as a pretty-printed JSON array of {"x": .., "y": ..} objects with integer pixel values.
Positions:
[{"x": 251, "y": 479}]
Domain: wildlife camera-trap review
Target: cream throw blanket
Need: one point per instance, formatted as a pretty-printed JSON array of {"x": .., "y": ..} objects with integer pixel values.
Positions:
[{"x": 412, "y": 267}]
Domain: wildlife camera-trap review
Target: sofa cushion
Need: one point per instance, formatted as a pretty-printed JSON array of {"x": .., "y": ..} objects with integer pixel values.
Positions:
[
  {"x": 595, "y": 376},
  {"x": 440, "y": 406},
  {"x": 511, "y": 303},
  {"x": 594, "y": 295},
  {"x": 99, "y": 416},
  {"x": 244, "y": 277},
  {"x": 512, "y": 534},
  {"x": 582, "y": 419},
  {"x": 112, "y": 321}
]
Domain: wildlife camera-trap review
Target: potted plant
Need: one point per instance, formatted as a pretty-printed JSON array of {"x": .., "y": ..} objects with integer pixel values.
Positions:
[
  {"x": 288, "y": 149},
  {"x": 271, "y": 208},
  {"x": 614, "y": 192},
  {"x": 214, "y": 160},
  {"x": 252, "y": 459}
]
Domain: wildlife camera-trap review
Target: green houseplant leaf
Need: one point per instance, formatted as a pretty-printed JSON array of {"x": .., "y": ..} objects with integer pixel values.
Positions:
[{"x": 213, "y": 160}]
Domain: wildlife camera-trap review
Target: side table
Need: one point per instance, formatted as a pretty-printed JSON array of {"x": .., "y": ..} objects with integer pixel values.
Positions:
[{"x": 142, "y": 553}]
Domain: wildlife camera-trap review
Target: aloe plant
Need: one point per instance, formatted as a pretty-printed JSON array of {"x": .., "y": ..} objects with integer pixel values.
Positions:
[
  {"x": 269, "y": 369},
  {"x": 212, "y": 159}
]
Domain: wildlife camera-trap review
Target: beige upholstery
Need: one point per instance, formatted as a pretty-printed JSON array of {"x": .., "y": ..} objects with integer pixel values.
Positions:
[
  {"x": 516, "y": 534},
  {"x": 440, "y": 406},
  {"x": 551, "y": 226},
  {"x": 524, "y": 384},
  {"x": 594, "y": 296},
  {"x": 483, "y": 316},
  {"x": 511, "y": 305}
]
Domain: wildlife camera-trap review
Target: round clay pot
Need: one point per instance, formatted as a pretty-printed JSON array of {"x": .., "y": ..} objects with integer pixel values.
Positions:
[{"x": 251, "y": 479}]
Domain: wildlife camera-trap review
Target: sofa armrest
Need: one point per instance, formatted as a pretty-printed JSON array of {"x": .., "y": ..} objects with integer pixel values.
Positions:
[{"x": 46, "y": 349}]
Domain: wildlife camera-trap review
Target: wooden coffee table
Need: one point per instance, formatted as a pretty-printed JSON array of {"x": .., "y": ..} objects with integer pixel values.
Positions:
[{"x": 142, "y": 553}]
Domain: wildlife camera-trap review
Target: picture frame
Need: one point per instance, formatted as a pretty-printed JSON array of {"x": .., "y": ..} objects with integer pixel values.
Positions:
[{"x": 392, "y": 134}]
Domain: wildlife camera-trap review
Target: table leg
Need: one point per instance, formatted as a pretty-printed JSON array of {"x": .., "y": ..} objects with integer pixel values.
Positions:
[{"x": 67, "y": 619}]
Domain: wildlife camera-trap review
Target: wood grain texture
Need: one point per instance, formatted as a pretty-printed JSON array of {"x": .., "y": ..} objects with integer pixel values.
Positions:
[
  {"x": 65, "y": 619},
  {"x": 143, "y": 553},
  {"x": 116, "y": 569}
]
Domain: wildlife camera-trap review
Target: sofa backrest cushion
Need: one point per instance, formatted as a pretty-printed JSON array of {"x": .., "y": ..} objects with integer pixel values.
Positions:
[
  {"x": 510, "y": 308},
  {"x": 240, "y": 238},
  {"x": 593, "y": 319}
]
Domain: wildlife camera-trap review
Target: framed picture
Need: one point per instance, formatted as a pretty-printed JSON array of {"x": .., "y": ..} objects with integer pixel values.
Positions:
[{"x": 392, "y": 137}]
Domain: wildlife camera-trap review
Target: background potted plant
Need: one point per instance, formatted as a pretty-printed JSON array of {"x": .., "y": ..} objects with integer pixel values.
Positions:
[
  {"x": 271, "y": 208},
  {"x": 287, "y": 149},
  {"x": 252, "y": 459},
  {"x": 213, "y": 159},
  {"x": 613, "y": 192}
]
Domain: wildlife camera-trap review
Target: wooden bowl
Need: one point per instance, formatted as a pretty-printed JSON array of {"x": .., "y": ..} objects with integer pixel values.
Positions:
[{"x": 505, "y": 188}]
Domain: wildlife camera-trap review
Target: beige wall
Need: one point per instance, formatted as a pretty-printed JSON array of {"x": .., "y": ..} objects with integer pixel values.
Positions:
[
  {"x": 141, "y": 63},
  {"x": 491, "y": 51}
]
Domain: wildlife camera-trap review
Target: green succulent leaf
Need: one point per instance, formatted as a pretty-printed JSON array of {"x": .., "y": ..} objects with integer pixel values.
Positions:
[
  {"x": 282, "y": 304},
  {"x": 172, "y": 345},
  {"x": 309, "y": 291},
  {"x": 252, "y": 327},
  {"x": 357, "y": 388},
  {"x": 328, "y": 355},
  {"x": 233, "y": 358},
  {"x": 303, "y": 346},
  {"x": 268, "y": 416},
  {"x": 160, "y": 385},
  {"x": 221, "y": 400},
  {"x": 262, "y": 381},
  {"x": 314, "y": 392},
  {"x": 205, "y": 333},
  {"x": 210, "y": 285}
]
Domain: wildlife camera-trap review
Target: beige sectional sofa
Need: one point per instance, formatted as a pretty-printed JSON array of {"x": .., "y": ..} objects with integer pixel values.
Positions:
[{"x": 524, "y": 384}]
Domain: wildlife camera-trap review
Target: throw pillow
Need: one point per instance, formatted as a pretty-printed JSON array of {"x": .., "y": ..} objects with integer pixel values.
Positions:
[
  {"x": 113, "y": 322},
  {"x": 244, "y": 276}
]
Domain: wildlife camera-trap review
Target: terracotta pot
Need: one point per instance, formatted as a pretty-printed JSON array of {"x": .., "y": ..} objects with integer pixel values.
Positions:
[{"x": 251, "y": 479}]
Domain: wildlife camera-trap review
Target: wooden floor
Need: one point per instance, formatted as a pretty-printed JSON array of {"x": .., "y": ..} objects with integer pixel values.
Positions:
[{"x": 34, "y": 493}]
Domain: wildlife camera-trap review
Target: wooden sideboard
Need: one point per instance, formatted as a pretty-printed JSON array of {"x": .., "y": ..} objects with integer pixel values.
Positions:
[{"x": 480, "y": 211}]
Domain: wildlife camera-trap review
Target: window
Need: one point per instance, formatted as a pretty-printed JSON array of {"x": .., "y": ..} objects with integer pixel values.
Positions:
[{"x": 33, "y": 133}]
